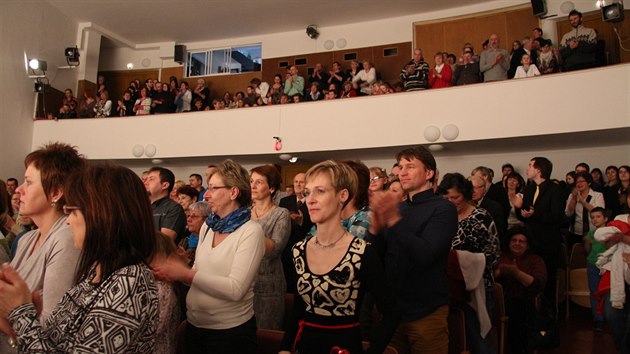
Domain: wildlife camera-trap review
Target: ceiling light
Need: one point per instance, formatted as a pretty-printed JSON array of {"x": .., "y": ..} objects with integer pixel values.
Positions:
[{"x": 293, "y": 159}]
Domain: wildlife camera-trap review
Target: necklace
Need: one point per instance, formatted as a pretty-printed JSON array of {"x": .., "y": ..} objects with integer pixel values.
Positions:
[
  {"x": 329, "y": 245},
  {"x": 263, "y": 212}
]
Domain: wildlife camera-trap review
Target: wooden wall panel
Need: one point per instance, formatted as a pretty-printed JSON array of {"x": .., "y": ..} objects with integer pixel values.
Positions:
[
  {"x": 606, "y": 32},
  {"x": 49, "y": 102},
  {"x": 118, "y": 81},
  {"x": 389, "y": 67},
  {"x": 518, "y": 25},
  {"x": 430, "y": 38},
  {"x": 451, "y": 35},
  {"x": 177, "y": 71},
  {"x": 85, "y": 85},
  {"x": 232, "y": 83}
]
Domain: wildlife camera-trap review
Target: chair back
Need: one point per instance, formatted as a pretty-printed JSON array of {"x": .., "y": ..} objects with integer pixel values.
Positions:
[
  {"x": 456, "y": 331},
  {"x": 269, "y": 341},
  {"x": 578, "y": 256}
]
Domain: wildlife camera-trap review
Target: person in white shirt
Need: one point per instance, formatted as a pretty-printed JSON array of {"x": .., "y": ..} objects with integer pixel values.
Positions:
[
  {"x": 366, "y": 77},
  {"x": 580, "y": 202},
  {"x": 527, "y": 69},
  {"x": 220, "y": 302}
]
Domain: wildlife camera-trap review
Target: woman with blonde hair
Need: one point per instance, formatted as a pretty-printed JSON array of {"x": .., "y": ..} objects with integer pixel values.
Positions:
[
  {"x": 220, "y": 302},
  {"x": 334, "y": 270}
]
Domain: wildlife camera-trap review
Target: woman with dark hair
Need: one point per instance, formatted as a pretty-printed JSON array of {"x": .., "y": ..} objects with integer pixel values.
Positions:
[
  {"x": 624, "y": 185},
  {"x": 113, "y": 308},
  {"x": 514, "y": 185},
  {"x": 476, "y": 233},
  {"x": 186, "y": 195},
  {"x": 86, "y": 106},
  {"x": 46, "y": 257},
  {"x": 220, "y": 302},
  {"x": 271, "y": 285},
  {"x": 523, "y": 276},
  {"x": 334, "y": 270},
  {"x": 355, "y": 216},
  {"x": 611, "y": 191},
  {"x": 598, "y": 179},
  {"x": 183, "y": 98}
]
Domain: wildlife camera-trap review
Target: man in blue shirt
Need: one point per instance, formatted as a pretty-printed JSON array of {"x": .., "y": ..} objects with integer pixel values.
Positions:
[{"x": 415, "y": 237}]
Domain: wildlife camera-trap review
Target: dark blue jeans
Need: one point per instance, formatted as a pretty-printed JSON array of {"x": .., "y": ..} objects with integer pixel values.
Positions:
[{"x": 593, "y": 282}]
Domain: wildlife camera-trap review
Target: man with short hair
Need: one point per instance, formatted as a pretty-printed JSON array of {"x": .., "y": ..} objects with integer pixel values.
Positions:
[
  {"x": 196, "y": 182},
  {"x": 415, "y": 74},
  {"x": 494, "y": 61},
  {"x": 12, "y": 185},
  {"x": 493, "y": 207},
  {"x": 467, "y": 71},
  {"x": 320, "y": 76},
  {"x": 543, "y": 213},
  {"x": 294, "y": 85},
  {"x": 493, "y": 191},
  {"x": 579, "y": 46},
  {"x": 201, "y": 92},
  {"x": 168, "y": 216},
  {"x": 415, "y": 236},
  {"x": 582, "y": 167},
  {"x": 300, "y": 225}
]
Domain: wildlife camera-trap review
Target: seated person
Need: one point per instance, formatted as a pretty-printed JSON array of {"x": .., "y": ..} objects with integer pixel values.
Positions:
[
  {"x": 523, "y": 276},
  {"x": 198, "y": 105}
]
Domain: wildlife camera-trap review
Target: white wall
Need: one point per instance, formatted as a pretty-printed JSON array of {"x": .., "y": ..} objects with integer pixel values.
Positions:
[
  {"x": 38, "y": 30},
  {"x": 554, "y": 104},
  {"x": 564, "y": 160}
]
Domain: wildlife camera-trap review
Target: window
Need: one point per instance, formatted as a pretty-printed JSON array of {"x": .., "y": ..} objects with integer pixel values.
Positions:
[
  {"x": 390, "y": 52},
  {"x": 350, "y": 56},
  {"x": 222, "y": 61}
]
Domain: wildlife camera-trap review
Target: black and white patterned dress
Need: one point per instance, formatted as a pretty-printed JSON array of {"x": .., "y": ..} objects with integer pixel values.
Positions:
[
  {"x": 328, "y": 305},
  {"x": 478, "y": 234},
  {"x": 118, "y": 316}
]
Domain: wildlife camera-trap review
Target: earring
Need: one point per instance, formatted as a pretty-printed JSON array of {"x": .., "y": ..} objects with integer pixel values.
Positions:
[{"x": 53, "y": 204}]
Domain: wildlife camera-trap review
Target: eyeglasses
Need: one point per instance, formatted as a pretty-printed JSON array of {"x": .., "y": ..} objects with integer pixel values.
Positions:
[
  {"x": 213, "y": 189},
  {"x": 195, "y": 216},
  {"x": 67, "y": 209},
  {"x": 375, "y": 179}
]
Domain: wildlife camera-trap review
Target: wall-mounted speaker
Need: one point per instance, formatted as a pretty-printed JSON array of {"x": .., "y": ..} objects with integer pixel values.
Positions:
[
  {"x": 539, "y": 8},
  {"x": 180, "y": 53}
]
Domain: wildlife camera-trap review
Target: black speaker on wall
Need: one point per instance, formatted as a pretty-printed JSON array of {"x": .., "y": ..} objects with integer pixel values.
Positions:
[
  {"x": 180, "y": 53},
  {"x": 539, "y": 7}
]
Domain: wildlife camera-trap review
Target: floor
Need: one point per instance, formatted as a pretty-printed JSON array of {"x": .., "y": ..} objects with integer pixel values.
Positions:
[{"x": 577, "y": 336}]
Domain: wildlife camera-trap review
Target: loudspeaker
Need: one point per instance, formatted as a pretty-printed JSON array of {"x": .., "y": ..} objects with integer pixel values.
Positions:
[
  {"x": 539, "y": 7},
  {"x": 180, "y": 53},
  {"x": 613, "y": 12}
]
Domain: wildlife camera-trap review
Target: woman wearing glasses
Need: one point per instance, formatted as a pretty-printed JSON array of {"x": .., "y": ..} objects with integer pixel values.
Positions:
[
  {"x": 334, "y": 270},
  {"x": 220, "y": 302},
  {"x": 113, "y": 308},
  {"x": 378, "y": 179},
  {"x": 45, "y": 258}
]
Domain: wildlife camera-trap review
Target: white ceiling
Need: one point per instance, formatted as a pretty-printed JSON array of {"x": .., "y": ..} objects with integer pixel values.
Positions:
[{"x": 182, "y": 21}]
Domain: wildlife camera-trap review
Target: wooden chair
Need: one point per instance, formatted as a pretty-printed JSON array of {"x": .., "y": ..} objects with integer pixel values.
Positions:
[
  {"x": 498, "y": 318},
  {"x": 269, "y": 341},
  {"x": 456, "y": 331},
  {"x": 577, "y": 279}
]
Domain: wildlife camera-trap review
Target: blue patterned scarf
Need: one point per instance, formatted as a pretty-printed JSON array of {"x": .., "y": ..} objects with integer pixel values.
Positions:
[{"x": 230, "y": 222}]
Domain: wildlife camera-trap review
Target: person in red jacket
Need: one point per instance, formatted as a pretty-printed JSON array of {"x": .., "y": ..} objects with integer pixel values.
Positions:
[{"x": 441, "y": 74}]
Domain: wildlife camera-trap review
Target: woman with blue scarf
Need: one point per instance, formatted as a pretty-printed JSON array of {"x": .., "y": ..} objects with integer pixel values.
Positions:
[{"x": 220, "y": 302}]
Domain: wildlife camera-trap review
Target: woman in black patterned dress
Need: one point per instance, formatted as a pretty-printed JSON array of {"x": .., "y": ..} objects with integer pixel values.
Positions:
[
  {"x": 476, "y": 233},
  {"x": 114, "y": 306},
  {"x": 334, "y": 271}
]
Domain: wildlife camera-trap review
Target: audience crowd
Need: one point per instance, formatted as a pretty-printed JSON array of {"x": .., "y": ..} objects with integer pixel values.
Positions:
[
  {"x": 530, "y": 56},
  {"x": 346, "y": 240}
]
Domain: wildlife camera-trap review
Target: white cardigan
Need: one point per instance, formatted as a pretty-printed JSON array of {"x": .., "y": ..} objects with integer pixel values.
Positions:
[{"x": 221, "y": 295}]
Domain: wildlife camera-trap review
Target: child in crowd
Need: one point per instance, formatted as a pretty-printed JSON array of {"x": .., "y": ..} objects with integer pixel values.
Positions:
[
  {"x": 527, "y": 69},
  {"x": 594, "y": 249}
]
